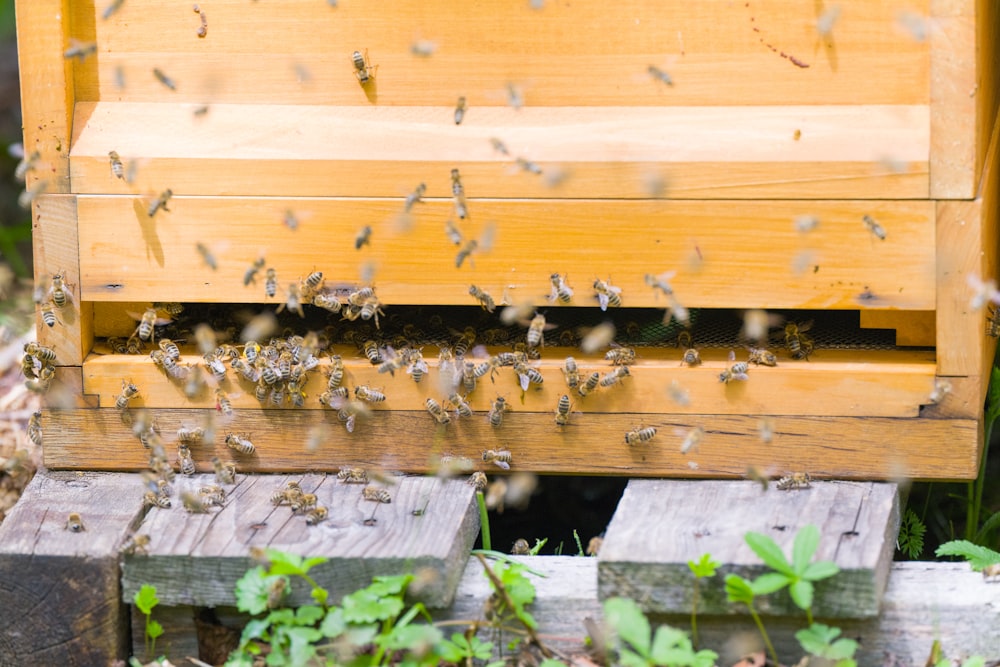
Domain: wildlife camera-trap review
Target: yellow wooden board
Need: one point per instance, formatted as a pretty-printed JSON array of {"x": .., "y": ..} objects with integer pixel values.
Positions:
[{"x": 725, "y": 254}]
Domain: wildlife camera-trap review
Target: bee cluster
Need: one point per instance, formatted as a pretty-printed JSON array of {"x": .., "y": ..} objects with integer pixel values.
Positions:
[{"x": 38, "y": 367}]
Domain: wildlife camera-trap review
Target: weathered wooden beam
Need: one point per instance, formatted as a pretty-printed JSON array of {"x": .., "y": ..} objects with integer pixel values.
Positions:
[
  {"x": 646, "y": 558},
  {"x": 60, "y": 600},
  {"x": 196, "y": 559}
]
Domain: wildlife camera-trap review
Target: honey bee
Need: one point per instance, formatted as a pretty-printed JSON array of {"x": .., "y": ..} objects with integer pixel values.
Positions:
[
  {"x": 799, "y": 345},
  {"x": 363, "y": 68},
  {"x": 460, "y": 109},
  {"x": 620, "y": 356},
  {"x": 598, "y": 337},
  {"x": 590, "y": 384},
  {"x": 461, "y": 406},
  {"x": 691, "y": 357},
  {"x": 48, "y": 314},
  {"x": 417, "y": 367},
  {"x": 372, "y": 351},
  {"x": 527, "y": 375},
  {"x": 765, "y": 428},
  {"x": 796, "y": 480},
  {"x": 79, "y": 50},
  {"x": 993, "y": 322},
  {"x": 164, "y": 79},
  {"x": 270, "y": 283},
  {"x": 607, "y": 294},
  {"x": 536, "y": 330},
  {"x": 302, "y": 502},
  {"x": 29, "y": 367},
  {"x": 376, "y": 494},
  {"x": 135, "y": 544},
  {"x": 941, "y": 389},
  {"x": 206, "y": 255},
  {"x": 117, "y": 168},
  {"x": 184, "y": 460},
  {"x": 240, "y": 443},
  {"x": 571, "y": 373},
  {"x": 353, "y": 476},
  {"x": 147, "y": 323},
  {"x": 527, "y": 165},
  {"x": 755, "y": 474},
  {"x": 615, "y": 376},
  {"x": 43, "y": 381},
  {"x": 286, "y": 495},
  {"x": 877, "y": 230},
  {"x": 458, "y": 194},
  {"x": 437, "y": 411},
  {"x": 250, "y": 276},
  {"x": 293, "y": 300},
  {"x": 501, "y": 458},
  {"x": 520, "y": 547},
  {"x": 563, "y": 407},
  {"x": 172, "y": 369},
  {"x": 515, "y": 98},
  {"x": 560, "y": 290},
  {"x": 316, "y": 515},
  {"x": 693, "y": 439},
  {"x": 762, "y": 357},
  {"x": 222, "y": 403},
  {"x": 129, "y": 391},
  {"x": 45, "y": 355},
  {"x": 660, "y": 75},
  {"x": 193, "y": 503},
  {"x": 365, "y": 393},
  {"x": 497, "y": 409},
  {"x": 153, "y": 499},
  {"x": 27, "y": 163},
  {"x": 414, "y": 197},
  {"x": 34, "y": 429},
  {"x": 212, "y": 495},
  {"x": 465, "y": 252},
  {"x": 737, "y": 370},
  {"x": 660, "y": 282},
  {"x": 478, "y": 481},
  {"x": 170, "y": 348},
  {"x": 74, "y": 523},
  {"x": 640, "y": 434},
  {"x": 225, "y": 473},
  {"x": 484, "y": 299},
  {"x": 160, "y": 203}
]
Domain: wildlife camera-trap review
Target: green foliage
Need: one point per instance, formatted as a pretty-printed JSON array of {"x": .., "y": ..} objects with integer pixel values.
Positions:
[
  {"x": 636, "y": 646},
  {"x": 822, "y": 641},
  {"x": 539, "y": 543},
  {"x": 799, "y": 575},
  {"x": 974, "y": 499},
  {"x": 704, "y": 567},
  {"x": 461, "y": 648},
  {"x": 520, "y": 591},
  {"x": 978, "y": 556},
  {"x": 911, "y": 535},
  {"x": 145, "y": 600}
]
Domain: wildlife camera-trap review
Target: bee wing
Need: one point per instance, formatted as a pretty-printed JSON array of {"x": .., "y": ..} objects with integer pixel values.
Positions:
[
  {"x": 524, "y": 381},
  {"x": 805, "y": 326},
  {"x": 602, "y": 299},
  {"x": 502, "y": 464}
]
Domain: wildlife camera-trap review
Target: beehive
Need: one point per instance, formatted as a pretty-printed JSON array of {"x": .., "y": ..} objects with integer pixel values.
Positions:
[{"x": 767, "y": 116}]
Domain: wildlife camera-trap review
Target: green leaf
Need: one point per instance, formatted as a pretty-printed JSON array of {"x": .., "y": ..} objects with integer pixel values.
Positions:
[
  {"x": 842, "y": 649},
  {"x": 738, "y": 589},
  {"x": 806, "y": 542},
  {"x": 974, "y": 661},
  {"x": 551, "y": 662},
  {"x": 300, "y": 644},
  {"x": 145, "y": 599},
  {"x": 455, "y": 649},
  {"x": 704, "y": 567},
  {"x": 823, "y": 569},
  {"x": 154, "y": 629},
  {"x": 629, "y": 624},
  {"x": 802, "y": 593},
  {"x": 910, "y": 540},
  {"x": 769, "y": 552},
  {"x": 365, "y": 606},
  {"x": 417, "y": 638},
  {"x": 308, "y": 615},
  {"x": 254, "y": 629},
  {"x": 390, "y": 585},
  {"x": 333, "y": 624},
  {"x": 629, "y": 658},
  {"x": 769, "y": 582},
  {"x": 978, "y": 556},
  {"x": 320, "y": 595},
  {"x": 705, "y": 658},
  {"x": 989, "y": 526},
  {"x": 670, "y": 647},
  {"x": 816, "y": 638},
  {"x": 252, "y": 590}
]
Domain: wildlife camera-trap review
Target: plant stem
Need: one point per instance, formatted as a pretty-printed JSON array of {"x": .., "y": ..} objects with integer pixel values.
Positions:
[
  {"x": 500, "y": 590},
  {"x": 694, "y": 616},
  {"x": 809, "y": 616},
  {"x": 763, "y": 634},
  {"x": 975, "y": 500},
  {"x": 484, "y": 521}
]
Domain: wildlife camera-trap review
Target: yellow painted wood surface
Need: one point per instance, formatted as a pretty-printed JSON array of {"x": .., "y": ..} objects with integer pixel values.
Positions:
[
  {"x": 587, "y": 52},
  {"x": 832, "y": 383},
  {"x": 837, "y": 447},
  {"x": 913, "y": 328},
  {"x": 718, "y": 152},
  {"x": 726, "y": 254}
]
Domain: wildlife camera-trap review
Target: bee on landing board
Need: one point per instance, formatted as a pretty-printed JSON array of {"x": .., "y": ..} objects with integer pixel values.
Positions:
[
  {"x": 363, "y": 69},
  {"x": 794, "y": 481}
]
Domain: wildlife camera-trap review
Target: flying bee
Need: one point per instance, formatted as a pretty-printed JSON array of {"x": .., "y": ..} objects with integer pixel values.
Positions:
[
  {"x": 74, "y": 523},
  {"x": 414, "y": 197},
  {"x": 571, "y": 372},
  {"x": 222, "y": 402},
  {"x": 365, "y": 393},
  {"x": 270, "y": 283},
  {"x": 135, "y": 544},
  {"x": 160, "y": 203},
  {"x": 353, "y": 476},
  {"x": 225, "y": 473},
  {"x": 129, "y": 391},
  {"x": 34, "y": 429},
  {"x": 560, "y": 290},
  {"x": 437, "y": 411},
  {"x": 293, "y": 300},
  {"x": 363, "y": 68},
  {"x": 240, "y": 443},
  {"x": 460, "y": 109},
  {"x": 693, "y": 439},
  {"x": 27, "y": 163},
  {"x": 185, "y": 461},
  {"x": 207, "y": 256},
  {"x": 536, "y": 330},
  {"x": 762, "y": 357},
  {"x": 796, "y": 480},
  {"x": 501, "y": 458},
  {"x": 46, "y": 355},
  {"x": 453, "y": 233},
  {"x": 765, "y": 429},
  {"x": 640, "y": 434},
  {"x": 620, "y": 356},
  {"x": 79, "y": 50},
  {"x": 993, "y": 322},
  {"x": 194, "y": 503},
  {"x": 615, "y": 376},
  {"x": 755, "y": 474},
  {"x": 250, "y": 276},
  {"x": 418, "y": 367},
  {"x": 478, "y": 481},
  {"x": 43, "y": 381},
  {"x": 941, "y": 389},
  {"x": 376, "y": 494},
  {"x": 363, "y": 237},
  {"x": 660, "y": 282},
  {"x": 498, "y": 408},
  {"x": 48, "y": 314},
  {"x": 465, "y": 252},
  {"x": 484, "y": 299},
  {"x": 660, "y": 75},
  {"x": 737, "y": 370},
  {"x": 461, "y": 406},
  {"x": 458, "y": 194},
  {"x": 607, "y": 294},
  {"x": 877, "y": 230},
  {"x": 563, "y": 407},
  {"x": 316, "y": 515},
  {"x": 590, "y": 384},
  {"x": 147, "y": 322},
  {"x": 798, "y": 344},
  {"x": 164, "y": 79}
]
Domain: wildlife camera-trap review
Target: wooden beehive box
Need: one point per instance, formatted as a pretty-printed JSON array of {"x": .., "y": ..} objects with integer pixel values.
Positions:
[{"x": 889, "y": 114}]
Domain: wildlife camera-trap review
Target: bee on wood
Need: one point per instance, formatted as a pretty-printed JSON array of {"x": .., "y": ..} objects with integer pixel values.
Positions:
[
  {"x": 418, "y": 367},
  {"x": 560, "y": 290},
  {"x": 34, "y": 429},
  {"x": 170, "y": 348},
  {"x": 993, "y": 322},
  {"x": 365, "y": 393},
  {"x": 363, "y": 68},
  {"x": 79, "y": 50},
  {"x": 117, "y": 167},
  {"x": 164, "y": 79},
  {"x": 520, "y": 547},
  {"x": 222, "y": 403},
  {"x": 136, "y": 544},
  {"x": 607, "y": 294},
  {"x": 536, "y": 331},
  {"x": 148, "y": 321},
  {"x": 129, "y": 391},
  {"x": 571, "y": 372},
  {"x": 590, "y": 384},
  {"x": 620, "y": 356},
  {"x": 527, "y": 375},
  {"x": 478, "y": 481},
  {"x": 160, "y": 203},
  {"x": 798, "y": 344},
  {"x": 563, "y": 406},
  {"x": 168, "y": 365},
  {"x": 461, "y": 406},
  {"x": 193, "y": 503},
  {"x": 250, "y": 276},
  {"x": 762, "y": 357},
  {"x": 372, "y": 351},
  {"x": 270, "y": 283},
  {"x": 286, "y": 495},
  {"x": 316, "y": 515},
  {"x": 615, "y": 376},
  {"x": 484, "y": 299},
  {"x": 797, "y": 480},
  {"x": 497, "y": 409},
  {"x": 640, "y": 434},
  {"x": 691, "y": 357},
  {"x": 501, "y": 458},
  {"x": 240, "y": 443},
  {"x": 439, "y": 413},
  {"x": 941, "y": 389},
  {"x": 303, "y": 502},
  {"x": 45, "y": 355},
  {"x": 693, "y": 439},
  {"x": 376, "y": 494},
  {"x": 416, "y": 196},
  {"x": 212, "y": 495},
  {"x": 153, "y": 499},
  {"x": 877, "y": 230},
  {"x": 203, "y": 28},
  {"x": 327, "y": 302},
  {"x": 184, "y": 460},
  {"x": 353, "y": 476},
  {"x": 737, "y": 370},
  {"x": 225, "y": 473},
  {"x": 515, "y": 98},
  {"x": 48, "y": 314},
  {"x": 311, "y": 284},
  {"x": 660, "y": 75},
  {"x": 43, "y": 381},
  {"x": 460, "y": 109},
  {"x": 74, "y": 523}
]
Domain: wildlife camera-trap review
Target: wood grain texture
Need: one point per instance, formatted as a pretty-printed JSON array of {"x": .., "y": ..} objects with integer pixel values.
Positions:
[
  {"x": 845, "y": 380},
  {"x": 60, "y": 601},
  {"x": 726, "y": 254},
  {"x": 714, "y": 54},
  {"x": 837, "y": 447},
  {"x": 197, "y": 558},
  {"x": 697, "y": 152},
  {"x": 57, "y": 250},
  {"x": 648, "y": 560},
  {"x": 47, "y": 90}
]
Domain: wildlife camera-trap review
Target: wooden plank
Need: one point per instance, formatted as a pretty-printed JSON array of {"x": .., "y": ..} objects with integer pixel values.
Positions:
[
  {"x": 914, "y": 328},
  {"x": 711, "y": 245},
  {"x": 66, "y": 391},
  {"x": 647, "y": 560},
  {"x": 60, "y": 601},
  {"x": 714, "y": 54},
  {"x": 47, "y": 91},
  {"x": 837, "y": 447},
  {"x": 57, "y": 250},
  {"x": 213, "y": 549},
  {"x": 180, "y": 634},
  {"x": 284, "y": 150}
]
